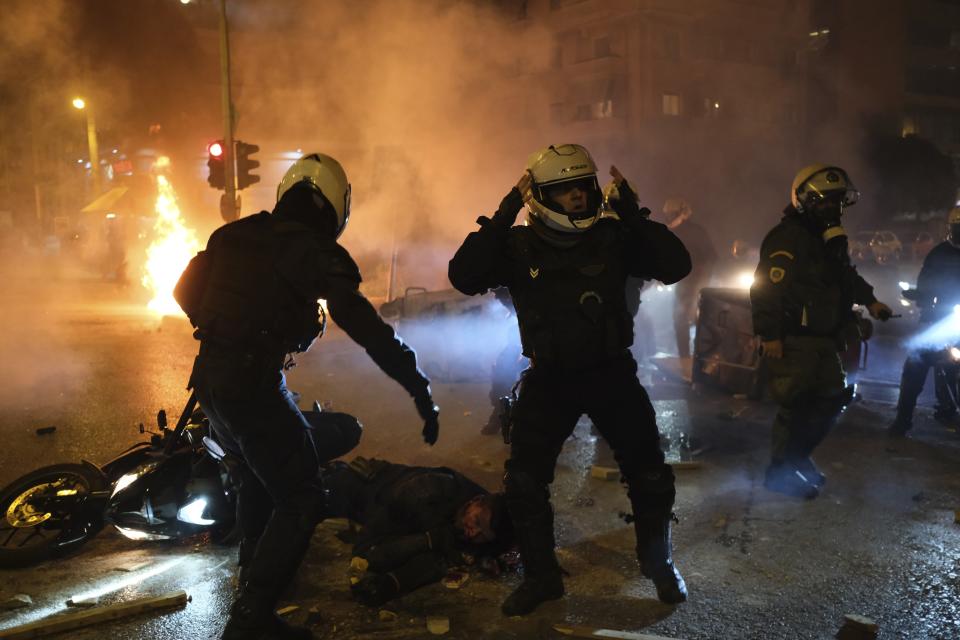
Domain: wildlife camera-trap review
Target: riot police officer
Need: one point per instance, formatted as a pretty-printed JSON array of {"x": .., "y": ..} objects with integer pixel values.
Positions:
[
  {"x": 252, "y": 294},
  {"x": 566, "y": 271},
  {"x": 678, "y": 214},
  {"x": 803, "y": 293},
  {"x": 938, "y": 290}
]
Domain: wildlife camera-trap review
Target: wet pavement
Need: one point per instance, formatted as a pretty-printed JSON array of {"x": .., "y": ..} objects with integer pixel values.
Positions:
[{"x": 880, "y": 542}]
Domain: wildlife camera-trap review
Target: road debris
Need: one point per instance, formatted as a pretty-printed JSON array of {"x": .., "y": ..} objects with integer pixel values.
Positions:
[
  {"x": 85, "y": 603},
  {"x": 90, "y": 617},
  {"x": 133, "y": 566},
  {"x": 314, "y": 615},
  {"x": 455, "y": 579},
  {"x": 16, "y": 601},
  {"x": 287, "y": 610},
  {"x": 577, "y": 631},
  {"x": 385, "y": 615},
  {"x": 604, "y": 473},
  {"x": 438, "y": 625},
  {"x": 857, "y": 628},
  {"x": 44, "y": 431}
]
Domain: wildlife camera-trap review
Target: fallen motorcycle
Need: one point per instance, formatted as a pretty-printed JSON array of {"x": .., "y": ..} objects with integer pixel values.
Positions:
[{"x": 178, "y": 484}]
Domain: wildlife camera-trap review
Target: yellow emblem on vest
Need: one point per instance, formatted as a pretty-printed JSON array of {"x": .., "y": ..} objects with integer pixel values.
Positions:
[
  {"x": 534, "y": 272},
  {"x": 776, "y": 274}
]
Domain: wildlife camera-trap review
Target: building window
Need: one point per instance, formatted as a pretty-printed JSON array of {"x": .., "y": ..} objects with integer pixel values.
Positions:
[{"x": 671, "y": 104}]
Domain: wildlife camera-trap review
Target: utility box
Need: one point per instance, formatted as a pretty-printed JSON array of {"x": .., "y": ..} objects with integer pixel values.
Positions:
[{"x": 725, "y": 351}]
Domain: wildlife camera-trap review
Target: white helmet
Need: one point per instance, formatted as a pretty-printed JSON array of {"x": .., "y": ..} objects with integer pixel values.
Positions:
[
  {"x": 819, "y": 182},
  {"x": 560, "y": 166},
  {"x": 324, "y": 174}
]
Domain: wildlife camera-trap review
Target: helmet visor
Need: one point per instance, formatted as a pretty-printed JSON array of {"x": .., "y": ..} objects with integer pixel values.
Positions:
[
  {"x": 831, "y": 185},
  {"x": 578, "y": 198}
]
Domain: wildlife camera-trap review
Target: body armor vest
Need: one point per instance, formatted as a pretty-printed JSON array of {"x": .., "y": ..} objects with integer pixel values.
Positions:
[
  {"x": 242, "y": 299},
  {"x": 571, "y": 303}
]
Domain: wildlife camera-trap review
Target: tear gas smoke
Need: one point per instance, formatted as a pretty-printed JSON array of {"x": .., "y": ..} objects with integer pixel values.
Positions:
[{"x": 942, "y": 334}]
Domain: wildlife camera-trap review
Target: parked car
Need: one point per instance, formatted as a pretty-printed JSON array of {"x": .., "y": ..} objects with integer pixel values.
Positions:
[
  {"x": 880, "y": 246},
  {"x": 921, "y": 245}
]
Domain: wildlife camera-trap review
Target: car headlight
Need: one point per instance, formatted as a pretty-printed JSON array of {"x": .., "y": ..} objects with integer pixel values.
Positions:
[{"x": 955, "y": 353}]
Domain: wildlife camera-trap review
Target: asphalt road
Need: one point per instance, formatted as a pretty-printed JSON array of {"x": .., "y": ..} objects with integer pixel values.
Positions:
[{"x": 880, "y": 542}]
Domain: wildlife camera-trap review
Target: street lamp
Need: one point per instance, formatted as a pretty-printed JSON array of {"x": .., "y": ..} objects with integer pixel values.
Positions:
[{"x": 81, "y": 105}]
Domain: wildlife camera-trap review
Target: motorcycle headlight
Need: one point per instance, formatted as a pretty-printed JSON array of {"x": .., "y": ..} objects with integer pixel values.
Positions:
[
  {"x": 955, "y": 354},
  {"x": 192, "y": 512}
]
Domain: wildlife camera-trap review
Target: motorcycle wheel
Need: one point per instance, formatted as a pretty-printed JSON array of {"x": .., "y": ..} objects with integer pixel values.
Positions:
[{"x": 28, "y": 536}]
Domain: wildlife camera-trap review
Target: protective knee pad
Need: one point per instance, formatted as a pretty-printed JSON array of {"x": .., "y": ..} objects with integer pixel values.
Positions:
[
  {"x": 651, "y": 490},
  {"x": 829, "y": 407}
]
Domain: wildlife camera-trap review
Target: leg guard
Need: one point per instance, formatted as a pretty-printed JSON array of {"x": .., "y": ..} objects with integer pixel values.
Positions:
[
  {"x": 528, "y": 501},
  {"x": 652, "y": 495}
]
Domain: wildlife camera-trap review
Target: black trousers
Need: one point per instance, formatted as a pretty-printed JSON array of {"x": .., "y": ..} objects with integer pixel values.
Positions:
[
  {"x": 915, "y": 369},
  {"x": 281, "y": 500},
  {"x": 550, "y": 403}
]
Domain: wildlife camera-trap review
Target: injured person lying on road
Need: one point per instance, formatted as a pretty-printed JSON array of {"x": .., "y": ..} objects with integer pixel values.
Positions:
[{"x": 416, "y": 523}]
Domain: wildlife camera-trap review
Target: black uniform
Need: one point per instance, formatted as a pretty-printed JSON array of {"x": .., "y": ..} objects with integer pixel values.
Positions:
[
  {"x": 408, "y": 536},
  {"x": 939, "y": 280},
  {"x": 803, "y": 294},
  {"x": 576, "y": 330},
  {"x": 253, "y": 296}
]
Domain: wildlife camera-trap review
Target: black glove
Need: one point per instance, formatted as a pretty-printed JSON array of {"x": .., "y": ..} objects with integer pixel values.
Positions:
[
  {"x": 375, "y": 589},
  {"x": 510, "y": 206},
  {"x": 628, "y": 204},
  {"x": 430, "y": 413}
]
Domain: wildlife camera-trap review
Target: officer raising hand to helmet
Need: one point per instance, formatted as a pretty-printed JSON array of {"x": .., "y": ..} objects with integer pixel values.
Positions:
[
  {"x": 253, "y": 297},
  {"x": 803, "y": 293},
  {"x": 566, "y": 272}
]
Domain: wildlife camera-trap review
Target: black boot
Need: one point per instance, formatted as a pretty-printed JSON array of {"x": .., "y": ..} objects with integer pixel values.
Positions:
[
  {"x": 654, "y": 552},
  {"x": 251, "y": 620},
  {"x": 784, "y": 478},
  {"x": 652, "y": 495},
  {"x": 528, "y": 502},
  {"x": 811, "y": 472},
  {"x": 542, "y": 578}
]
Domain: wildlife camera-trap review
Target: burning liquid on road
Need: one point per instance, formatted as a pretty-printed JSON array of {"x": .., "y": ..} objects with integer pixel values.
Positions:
[{"x": 173, "y": 247}]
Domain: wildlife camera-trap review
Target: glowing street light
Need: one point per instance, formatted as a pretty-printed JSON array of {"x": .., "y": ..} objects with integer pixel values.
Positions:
[{"x": 81, "y": 104}]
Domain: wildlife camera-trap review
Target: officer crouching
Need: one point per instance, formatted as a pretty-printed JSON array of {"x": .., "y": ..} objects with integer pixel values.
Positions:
[
  {"x": 567, "y": 271},
  {"x": 802, "y": 297}
]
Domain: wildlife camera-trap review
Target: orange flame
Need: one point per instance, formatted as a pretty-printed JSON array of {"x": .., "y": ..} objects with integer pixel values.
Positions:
[{"x": 170, "y": 251}]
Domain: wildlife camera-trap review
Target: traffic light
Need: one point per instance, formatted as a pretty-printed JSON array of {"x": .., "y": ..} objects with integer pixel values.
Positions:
[
  {"x": 246, "y": 164},
  {"x": 217, "y": 176}
]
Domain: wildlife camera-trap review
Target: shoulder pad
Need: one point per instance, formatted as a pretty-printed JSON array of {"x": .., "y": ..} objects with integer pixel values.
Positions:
[{"x": 339, "y": 264}]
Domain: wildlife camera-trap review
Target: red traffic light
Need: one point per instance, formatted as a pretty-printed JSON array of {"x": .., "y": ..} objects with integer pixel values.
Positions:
[{"x": 215, "y": 149}]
